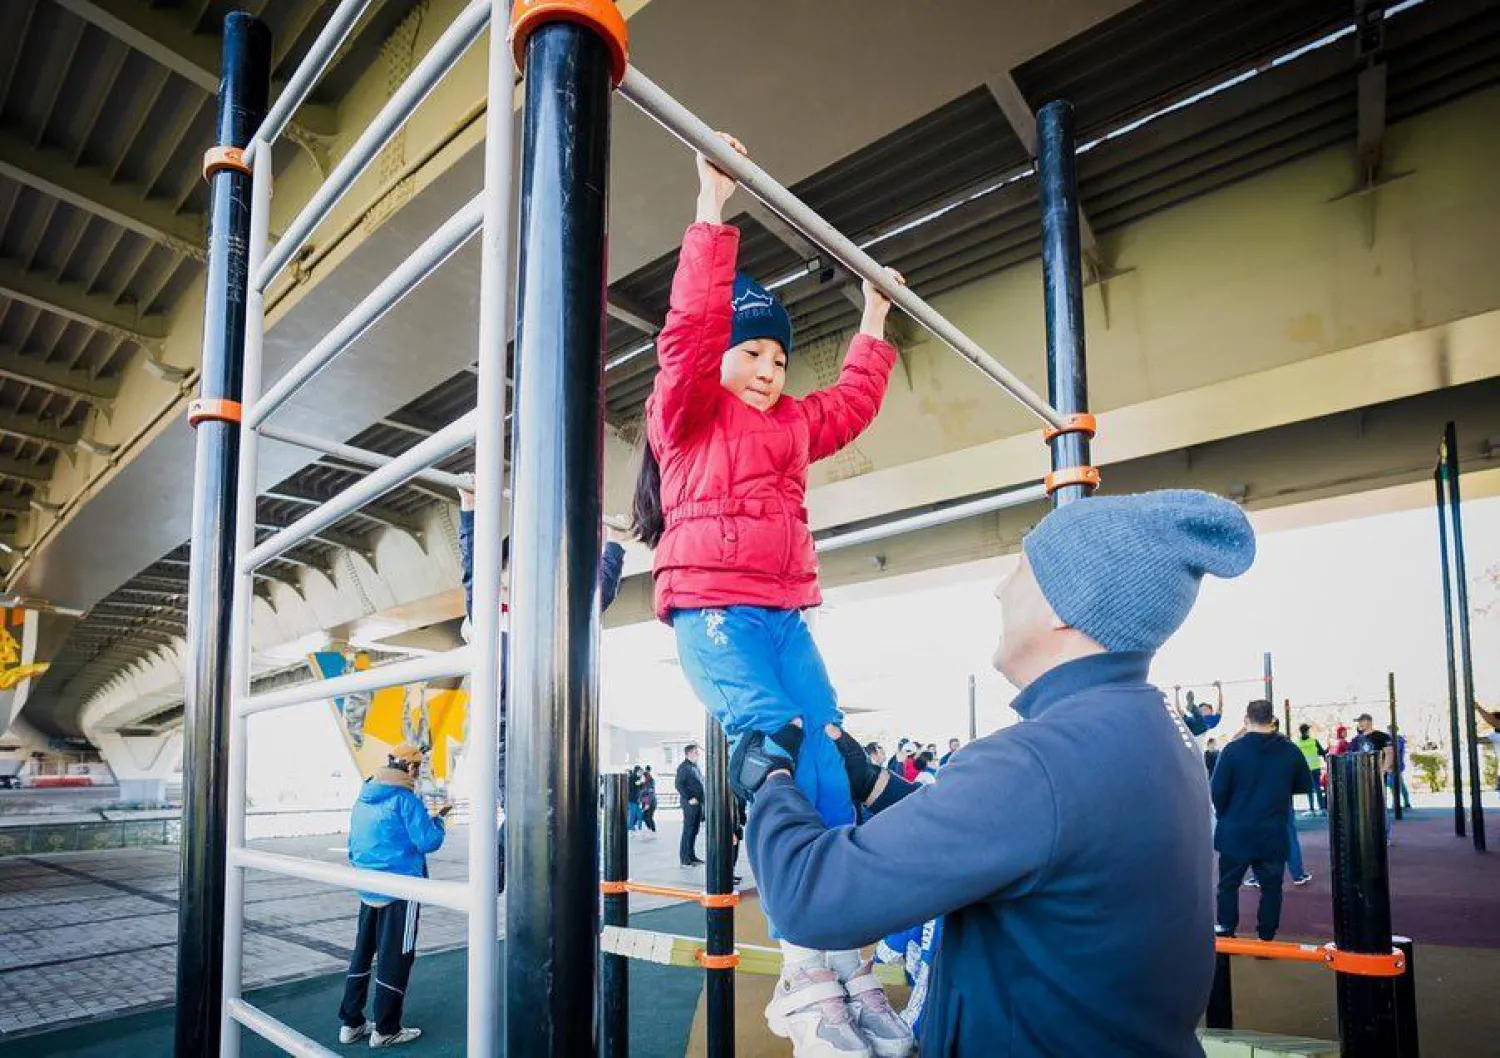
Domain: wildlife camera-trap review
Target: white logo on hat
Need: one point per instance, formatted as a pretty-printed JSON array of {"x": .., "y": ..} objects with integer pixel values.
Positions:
[{"x": 752, "y": 299}]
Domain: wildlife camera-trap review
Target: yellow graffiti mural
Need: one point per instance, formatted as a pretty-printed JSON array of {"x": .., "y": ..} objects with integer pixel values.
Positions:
[
  {"x": 375, "y": 723},
  {"x": 12, "y": 672}
]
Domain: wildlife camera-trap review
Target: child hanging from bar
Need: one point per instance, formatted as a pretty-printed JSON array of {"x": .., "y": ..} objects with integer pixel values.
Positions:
[{"x": 721, "y": 497}]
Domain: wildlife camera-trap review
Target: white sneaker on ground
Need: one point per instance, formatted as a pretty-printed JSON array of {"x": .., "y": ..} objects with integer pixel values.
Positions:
[
  {"x": 396, "y": 1038},
  {"x": 348, "y": 1035},
  {"x": 809, "y": 1009},
  {"x": 883, "y": 1029}
]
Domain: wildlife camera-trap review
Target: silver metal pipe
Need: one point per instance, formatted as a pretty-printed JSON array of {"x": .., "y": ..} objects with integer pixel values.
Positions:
[
  {"x": 307, "y": 75},
  {"x": 363, "y": 456},
  {"x": 928, "y": 519},
  {"x": 268, "y": 1028},
  {"x": 682, "y": 123},
  {"x": 439, "y": 446},
  {"x": 482, "y": 762},
  {"x": 452, "y": 895},
  {"x": 454, "y": 662},
  {"x": 455, "y": 40},
  {"x": 261, "y": 182},
  {"x": 425, "y": 260}
]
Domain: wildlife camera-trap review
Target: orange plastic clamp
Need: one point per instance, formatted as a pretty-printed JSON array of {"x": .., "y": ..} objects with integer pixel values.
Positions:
[
  {"x": 601, "y": 16},
  {"x": 1083, "y": 423},
  {"x": 1365, "y": 964},
  {"x": 614, "y": 888},
  {"x": 1072, "y": 476},
  {"x": 206, "y": 410},
  {"x": 718, "y": 962},
  {"x": 719, "y": 899},
  {"x": 216, "y": 158}
]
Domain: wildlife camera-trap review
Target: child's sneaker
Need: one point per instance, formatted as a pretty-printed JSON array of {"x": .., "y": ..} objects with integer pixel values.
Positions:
[
  {"x": 355, "y": 1034},
  {"x": 808, "y": 1008},
  {"x": 886, "y": 1033}
]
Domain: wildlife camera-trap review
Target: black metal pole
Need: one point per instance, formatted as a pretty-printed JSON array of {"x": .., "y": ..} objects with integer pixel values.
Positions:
[
  {"x": 1361, "y": 903},
  {"x": 1457, "y": 748},
  {"x": 1220, "y": 1013},
  {"x": 1269, "y": 679},
  {"x": 243, "y": 91},
  {"x": 719, "y": 984},
  {"x": 1466, "y": 648},
  {"x": 973, "y": 710},
  {"x": 1399, "y": 772},
  {"x": 1062, "y": 289},
  {"x": 1286, "y": 714},
  {"x": 551, "y": 895},
  {"x": 614, "y": 970},
  {"x": 1407, "y": 1041}
]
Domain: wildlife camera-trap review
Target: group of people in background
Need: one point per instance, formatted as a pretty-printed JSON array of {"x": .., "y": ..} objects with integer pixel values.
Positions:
[
  {"x": 912, "y": 761},
  {"x": 642, "y": 796}
]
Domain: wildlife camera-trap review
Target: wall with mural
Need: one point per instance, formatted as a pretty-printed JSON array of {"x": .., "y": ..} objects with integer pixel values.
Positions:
[{"x": 374, "y": 723}]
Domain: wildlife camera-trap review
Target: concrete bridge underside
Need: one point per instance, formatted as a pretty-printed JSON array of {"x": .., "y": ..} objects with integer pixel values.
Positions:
[{"x": 1278, "y": 340}]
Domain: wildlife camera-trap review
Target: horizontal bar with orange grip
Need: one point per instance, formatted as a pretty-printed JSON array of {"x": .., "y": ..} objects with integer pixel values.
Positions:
[
  {"x": 647, "y": 889},
  {"x": 1359, "y": 964}
]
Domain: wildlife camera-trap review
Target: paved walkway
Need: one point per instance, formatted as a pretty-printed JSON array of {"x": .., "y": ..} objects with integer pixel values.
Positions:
[{"x": 90, "y": 935}]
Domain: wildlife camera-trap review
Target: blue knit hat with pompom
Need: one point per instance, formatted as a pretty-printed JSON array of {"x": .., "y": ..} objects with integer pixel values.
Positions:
[{"x": 1125, "y": 570}]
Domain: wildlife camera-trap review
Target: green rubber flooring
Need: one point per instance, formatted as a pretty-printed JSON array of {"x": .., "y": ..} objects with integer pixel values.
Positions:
[{"x": 663, "y": 1001}]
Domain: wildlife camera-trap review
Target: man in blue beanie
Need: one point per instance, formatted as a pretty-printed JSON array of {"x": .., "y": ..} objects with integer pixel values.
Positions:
[{"x": 1069, "y": 854}]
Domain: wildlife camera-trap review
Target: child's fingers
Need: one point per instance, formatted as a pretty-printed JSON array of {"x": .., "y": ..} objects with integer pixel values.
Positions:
[{"x": 736, "y": 144}]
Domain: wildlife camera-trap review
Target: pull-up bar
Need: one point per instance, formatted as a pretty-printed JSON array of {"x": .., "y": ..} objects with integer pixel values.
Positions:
[{"x": 686, "y": 126}]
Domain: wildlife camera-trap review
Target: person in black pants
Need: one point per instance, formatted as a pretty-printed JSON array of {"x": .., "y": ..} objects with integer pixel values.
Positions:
[
  {"x": 648, "y": 800},
  {"x": 1253, "y": 784},
  {"x": 689, "y": 785},
  {"x": 389, "y": 831}
]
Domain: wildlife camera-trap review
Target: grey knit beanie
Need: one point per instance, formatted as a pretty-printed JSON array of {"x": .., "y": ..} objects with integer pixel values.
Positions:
[{"x": 1125, "y": 570}]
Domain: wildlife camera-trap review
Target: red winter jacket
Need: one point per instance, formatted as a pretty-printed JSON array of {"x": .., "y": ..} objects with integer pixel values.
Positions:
[{"x": 734, "y": 479}]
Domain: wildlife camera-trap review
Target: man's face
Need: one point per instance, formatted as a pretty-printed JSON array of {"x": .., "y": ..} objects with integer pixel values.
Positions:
[
  {"x": 1025, "y": 618},
  {"x": 952, "y": 744},
  {"x": 692, "y": 755},
  {"x": 1366, "y": 725}
]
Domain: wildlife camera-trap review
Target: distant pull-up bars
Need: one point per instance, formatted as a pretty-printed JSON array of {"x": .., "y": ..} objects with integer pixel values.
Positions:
[{"x": 682, "y": 123}]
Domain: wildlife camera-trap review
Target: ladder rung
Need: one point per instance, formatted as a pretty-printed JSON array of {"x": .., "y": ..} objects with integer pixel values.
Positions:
[
  {"x": 283, "y": 1036},
  {"x": 456, "y": 662},
  {"x": 456, "y": 435},
  {"x": 452, "y": 895}
]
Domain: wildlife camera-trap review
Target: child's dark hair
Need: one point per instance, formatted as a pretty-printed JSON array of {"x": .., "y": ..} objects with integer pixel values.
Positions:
[{"x": 647, "y": 521}]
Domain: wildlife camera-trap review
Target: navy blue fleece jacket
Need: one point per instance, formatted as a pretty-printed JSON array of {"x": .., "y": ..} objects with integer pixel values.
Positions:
[{"x": 1070, "y": 854}]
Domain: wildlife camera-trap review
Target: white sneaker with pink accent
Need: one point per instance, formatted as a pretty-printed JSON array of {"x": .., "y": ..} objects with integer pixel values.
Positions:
[
  {"x": 886, "y": 1033},
  {"x": 809, "y": 1009}
]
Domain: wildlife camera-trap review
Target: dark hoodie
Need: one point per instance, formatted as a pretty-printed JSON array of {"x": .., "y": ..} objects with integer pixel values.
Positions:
[{"x": 1253, "y": 785}]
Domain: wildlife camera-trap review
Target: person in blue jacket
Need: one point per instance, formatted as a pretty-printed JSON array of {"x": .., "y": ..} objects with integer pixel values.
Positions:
[
  {"x": 390, "y": 831},
  {"x": 611, "y": 569},
  {"x": 1069, "y": 854}
]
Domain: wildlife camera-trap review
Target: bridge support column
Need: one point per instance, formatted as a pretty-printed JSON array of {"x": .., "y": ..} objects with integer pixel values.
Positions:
[{"x": 142, "y": 763}]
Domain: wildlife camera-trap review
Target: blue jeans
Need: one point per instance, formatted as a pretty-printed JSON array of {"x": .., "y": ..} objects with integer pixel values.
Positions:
[
  {"x": 757, "y": 670},
  {"x": 1294, "y": 849}
]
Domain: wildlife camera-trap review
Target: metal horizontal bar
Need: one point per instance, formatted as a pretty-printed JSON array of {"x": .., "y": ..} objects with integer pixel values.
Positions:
[
  {"x": 928, "y": 519},
  {"x": 309, "y": 71},
  {"x": 676, "y": 119},
  {"x": 452, "y": 895},
  {"x": 421, "y": 669},
  {"x": 456, "y": 40},
  {"x": 362, "y": 456},
  {"x": 436, "y": 249},
  {"x": 268, "y": 1028},
  {"x": 420, "y": 457}
]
